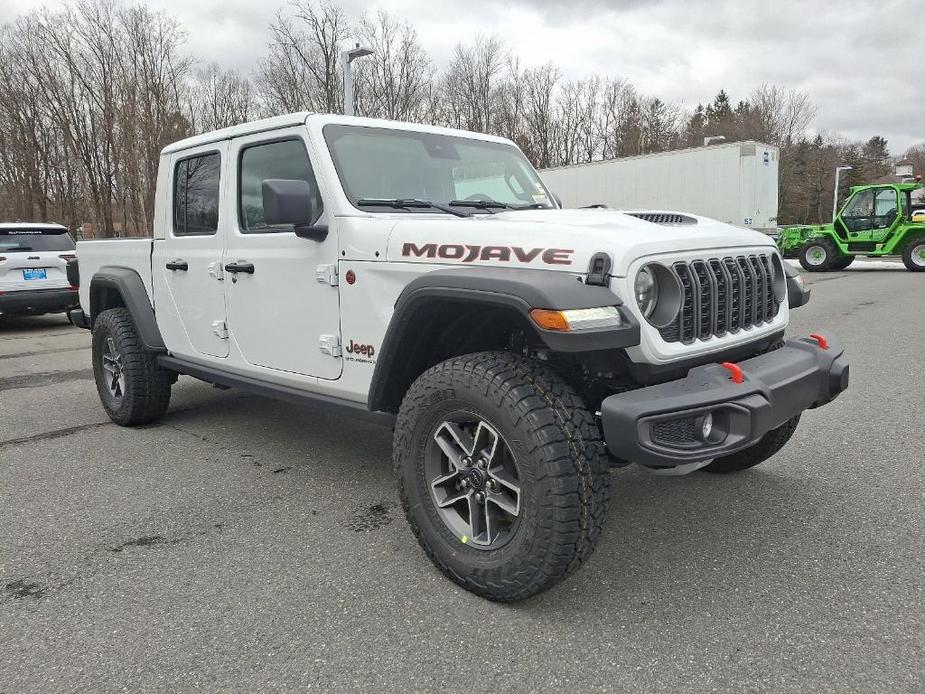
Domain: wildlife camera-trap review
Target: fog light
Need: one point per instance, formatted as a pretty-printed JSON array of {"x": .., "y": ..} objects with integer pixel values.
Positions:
[{"x": 706, "y": 426}]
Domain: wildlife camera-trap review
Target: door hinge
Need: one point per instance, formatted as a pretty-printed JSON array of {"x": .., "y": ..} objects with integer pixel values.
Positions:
[
  {"x": 327, "y": 274},
  {"x": 330, "y": 344},
  {"x": 216, "y": 271},
  {"x": 220, "y": 328}
]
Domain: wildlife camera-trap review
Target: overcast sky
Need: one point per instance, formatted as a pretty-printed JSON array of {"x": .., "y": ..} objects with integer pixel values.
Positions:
[{"x": 861, "y": 61}]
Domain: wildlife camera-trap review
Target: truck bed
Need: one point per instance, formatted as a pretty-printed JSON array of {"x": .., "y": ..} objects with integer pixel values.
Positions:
[{"x": 130, "y": 253}]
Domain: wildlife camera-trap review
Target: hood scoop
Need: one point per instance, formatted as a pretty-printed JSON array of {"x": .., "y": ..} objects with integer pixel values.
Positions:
[{"x": 667, "y": 218}]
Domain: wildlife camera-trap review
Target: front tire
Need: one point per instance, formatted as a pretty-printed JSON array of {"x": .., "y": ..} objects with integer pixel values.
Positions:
[
  {"x": 502, "y": 473},
  {"x": 132, "y": 387},
  {"x": 817, "y": 255},
  {"x": 767, "y": 445},
  {"x": 914, "y": 254},
  {"x": 842, "y": 262}
]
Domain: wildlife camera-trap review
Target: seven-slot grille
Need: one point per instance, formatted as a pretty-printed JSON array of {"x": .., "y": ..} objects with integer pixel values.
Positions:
[{"x": 722, "y": 295}]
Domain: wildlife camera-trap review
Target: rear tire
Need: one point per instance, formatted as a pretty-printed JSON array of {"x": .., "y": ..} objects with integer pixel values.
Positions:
[
  {"x": 132, "y": 387},
  {"x": 767, "y": 445},
  {"x": 553, "y": 455},
  {"x": 817, "y": 255},
  {"x": 914, "y": 254},
  {"x": 842, "y": 262}
]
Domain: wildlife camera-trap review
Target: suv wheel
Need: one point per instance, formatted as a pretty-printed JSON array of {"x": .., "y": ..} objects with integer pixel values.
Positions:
[
  {"x": 131, "y": 385},
  {"x": 817, "y": 255},
  {"x": 768, "y": 445},
  {"x": 502, "y": 473},
  {"x": 914, "y": 254}
]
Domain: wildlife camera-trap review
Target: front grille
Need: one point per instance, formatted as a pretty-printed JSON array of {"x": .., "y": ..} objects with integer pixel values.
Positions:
[{"x": 722, "y": 295}]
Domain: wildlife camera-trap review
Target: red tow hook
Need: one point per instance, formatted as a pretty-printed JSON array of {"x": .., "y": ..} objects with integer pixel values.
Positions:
[
  {"x": 823, "y": 343},
  {"x": 735, "y": 370}
]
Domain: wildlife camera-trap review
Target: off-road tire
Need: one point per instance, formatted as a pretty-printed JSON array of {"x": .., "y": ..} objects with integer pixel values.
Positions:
[
  {"x": 562, "y": 463},
  {"x": 842, "y": 262},
  {"x": 831, "y": 255},
  {"x": 147, "y": 385},
  {"x": 768, "y": 445},
  {"x": 911, "y": 245}
]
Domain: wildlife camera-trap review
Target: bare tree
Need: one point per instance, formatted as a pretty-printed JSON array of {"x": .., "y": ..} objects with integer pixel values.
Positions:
[
  {"x": 220, "y": 98},
  {"x": 395, "y": 81},
  {"x": 302, "y": 68}
]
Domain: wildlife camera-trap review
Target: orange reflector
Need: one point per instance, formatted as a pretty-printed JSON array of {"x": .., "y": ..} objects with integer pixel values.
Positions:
[{"x": 549, "y": 320}]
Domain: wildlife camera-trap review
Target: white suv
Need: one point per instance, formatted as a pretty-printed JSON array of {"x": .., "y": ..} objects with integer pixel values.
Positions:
[{"x": 33, "y": 269}]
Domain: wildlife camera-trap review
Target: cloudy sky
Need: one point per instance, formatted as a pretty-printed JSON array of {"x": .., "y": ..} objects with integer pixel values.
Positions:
[{"x": 861, "y": 61}]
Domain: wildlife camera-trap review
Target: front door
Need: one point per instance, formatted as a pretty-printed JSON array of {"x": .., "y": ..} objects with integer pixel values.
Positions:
[
  {"x": 186, "y": 263},
  {"x": 869, "y": 215},
  {"x": 281, "y": 309}
]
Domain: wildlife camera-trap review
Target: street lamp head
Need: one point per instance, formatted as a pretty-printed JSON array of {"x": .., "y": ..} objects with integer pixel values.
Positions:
[{"x": 358, "y": 52}]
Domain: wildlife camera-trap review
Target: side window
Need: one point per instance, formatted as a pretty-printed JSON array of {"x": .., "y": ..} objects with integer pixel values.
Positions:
[
  {"x": 195, "y": 195},
  {"x": 885, "y": 203},
  {"x": 861, "y": 204},
  {"x": 286, "y": 159}
]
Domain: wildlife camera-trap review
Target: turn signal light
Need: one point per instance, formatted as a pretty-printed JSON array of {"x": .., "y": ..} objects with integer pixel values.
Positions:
[{"x": 550, "y": 320}]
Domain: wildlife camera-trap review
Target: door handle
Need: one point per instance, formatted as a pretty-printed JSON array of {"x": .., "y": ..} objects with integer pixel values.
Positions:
[
  {"x": 177, "y": 265},
  {"x": 240, "y": 266}
]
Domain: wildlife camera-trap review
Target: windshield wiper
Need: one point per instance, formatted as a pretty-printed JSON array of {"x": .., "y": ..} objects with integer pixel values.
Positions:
[
  {"x": 490, "y": 205},
  {"x": 408, "y": 204}
]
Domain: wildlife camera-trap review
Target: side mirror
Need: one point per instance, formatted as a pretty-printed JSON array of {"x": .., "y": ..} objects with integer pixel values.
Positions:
[{"x": 292, "y": 201}]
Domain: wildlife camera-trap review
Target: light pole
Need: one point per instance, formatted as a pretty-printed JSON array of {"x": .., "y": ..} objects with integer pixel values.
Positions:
[
  {"x": 838, "y": 170},
  {"x": 346, "y": 58}
]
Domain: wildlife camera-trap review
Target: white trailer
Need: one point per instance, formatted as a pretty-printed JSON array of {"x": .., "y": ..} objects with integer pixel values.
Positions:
[{"x": 733, "y": 182}]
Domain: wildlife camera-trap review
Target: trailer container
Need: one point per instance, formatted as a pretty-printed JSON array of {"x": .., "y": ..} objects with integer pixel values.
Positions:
[{"x": 733, "y": 182}]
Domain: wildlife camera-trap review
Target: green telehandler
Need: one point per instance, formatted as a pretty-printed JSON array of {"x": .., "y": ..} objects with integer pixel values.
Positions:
[{"x": 876, "y": 221}]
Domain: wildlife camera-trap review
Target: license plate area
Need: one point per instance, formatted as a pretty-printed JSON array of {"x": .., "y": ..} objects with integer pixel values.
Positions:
[{"x": 35, "y": 274}]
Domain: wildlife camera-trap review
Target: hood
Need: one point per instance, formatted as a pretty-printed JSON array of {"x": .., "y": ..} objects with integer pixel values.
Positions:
[{"x": 560, "y": 239}]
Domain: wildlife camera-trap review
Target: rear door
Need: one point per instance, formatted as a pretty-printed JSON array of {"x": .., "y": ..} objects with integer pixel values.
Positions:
[
  {"x": 283, "y": 312},
  {"x": 34, "y": 259},
  {"x": 187, "y": 262}
]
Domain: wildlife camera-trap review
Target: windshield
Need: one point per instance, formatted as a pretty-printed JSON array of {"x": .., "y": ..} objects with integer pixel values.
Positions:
[
  {"x": 385, "y": 164},
  {"x": 28, "y": 240}
]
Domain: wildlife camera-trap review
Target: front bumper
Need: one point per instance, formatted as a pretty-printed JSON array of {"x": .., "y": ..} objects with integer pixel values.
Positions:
[
  {"x": 662, "y": 425},
  {"x": 39, "y": 301}
]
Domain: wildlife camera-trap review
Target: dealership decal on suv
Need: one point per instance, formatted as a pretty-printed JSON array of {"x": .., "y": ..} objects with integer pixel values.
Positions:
[{"x": 468, "y": 253}]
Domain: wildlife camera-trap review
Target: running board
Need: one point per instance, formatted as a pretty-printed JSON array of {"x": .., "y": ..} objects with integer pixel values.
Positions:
[{"x": 275, "y": 390}]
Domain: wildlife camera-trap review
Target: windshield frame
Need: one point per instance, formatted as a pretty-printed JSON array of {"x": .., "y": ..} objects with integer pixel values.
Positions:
[{"x": 330, "y": 128}]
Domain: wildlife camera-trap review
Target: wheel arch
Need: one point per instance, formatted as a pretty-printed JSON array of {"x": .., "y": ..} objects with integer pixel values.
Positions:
[
  {"x": 113, "y": 287},
  {"x": 483, "y": 309}
]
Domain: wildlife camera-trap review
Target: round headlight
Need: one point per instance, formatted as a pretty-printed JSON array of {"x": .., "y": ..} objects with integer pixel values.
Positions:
[{"x": 646, "y": 290}]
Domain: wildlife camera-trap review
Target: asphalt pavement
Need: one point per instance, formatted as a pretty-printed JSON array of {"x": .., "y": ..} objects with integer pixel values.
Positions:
[{"x": 244, "y": 544}]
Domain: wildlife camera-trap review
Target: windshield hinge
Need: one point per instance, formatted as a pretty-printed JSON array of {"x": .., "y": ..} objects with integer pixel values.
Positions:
[
  {"x": 330, "y": 344},
  {"x": 220, "y": 328},
  {"x": 599, "y": 270},
  {"x": 216, "y": 271},
  {"x": 327, "y": 274}
]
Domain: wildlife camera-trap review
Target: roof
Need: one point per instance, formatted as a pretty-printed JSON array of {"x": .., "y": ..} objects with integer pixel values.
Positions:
[
  {"x": 292, "y": 119},
  {"x": 911, "y": 186},
  {"x": 38, "y": 226}
]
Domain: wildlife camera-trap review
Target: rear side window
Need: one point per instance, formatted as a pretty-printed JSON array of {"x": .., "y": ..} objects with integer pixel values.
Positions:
[
  {"x": 195, "y": 195},
  {"x": 16, "y": 241},
  {"x": 282, "y": 159}
]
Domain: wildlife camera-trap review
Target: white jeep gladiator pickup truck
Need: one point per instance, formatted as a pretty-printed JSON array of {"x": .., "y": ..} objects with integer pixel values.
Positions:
[{"x": 427, "y": 278}]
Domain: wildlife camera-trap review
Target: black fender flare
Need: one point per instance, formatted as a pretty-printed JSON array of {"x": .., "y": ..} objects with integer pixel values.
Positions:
[
  {"x": 127, "y": 283},
  {"x": 517, "y": 290}
]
